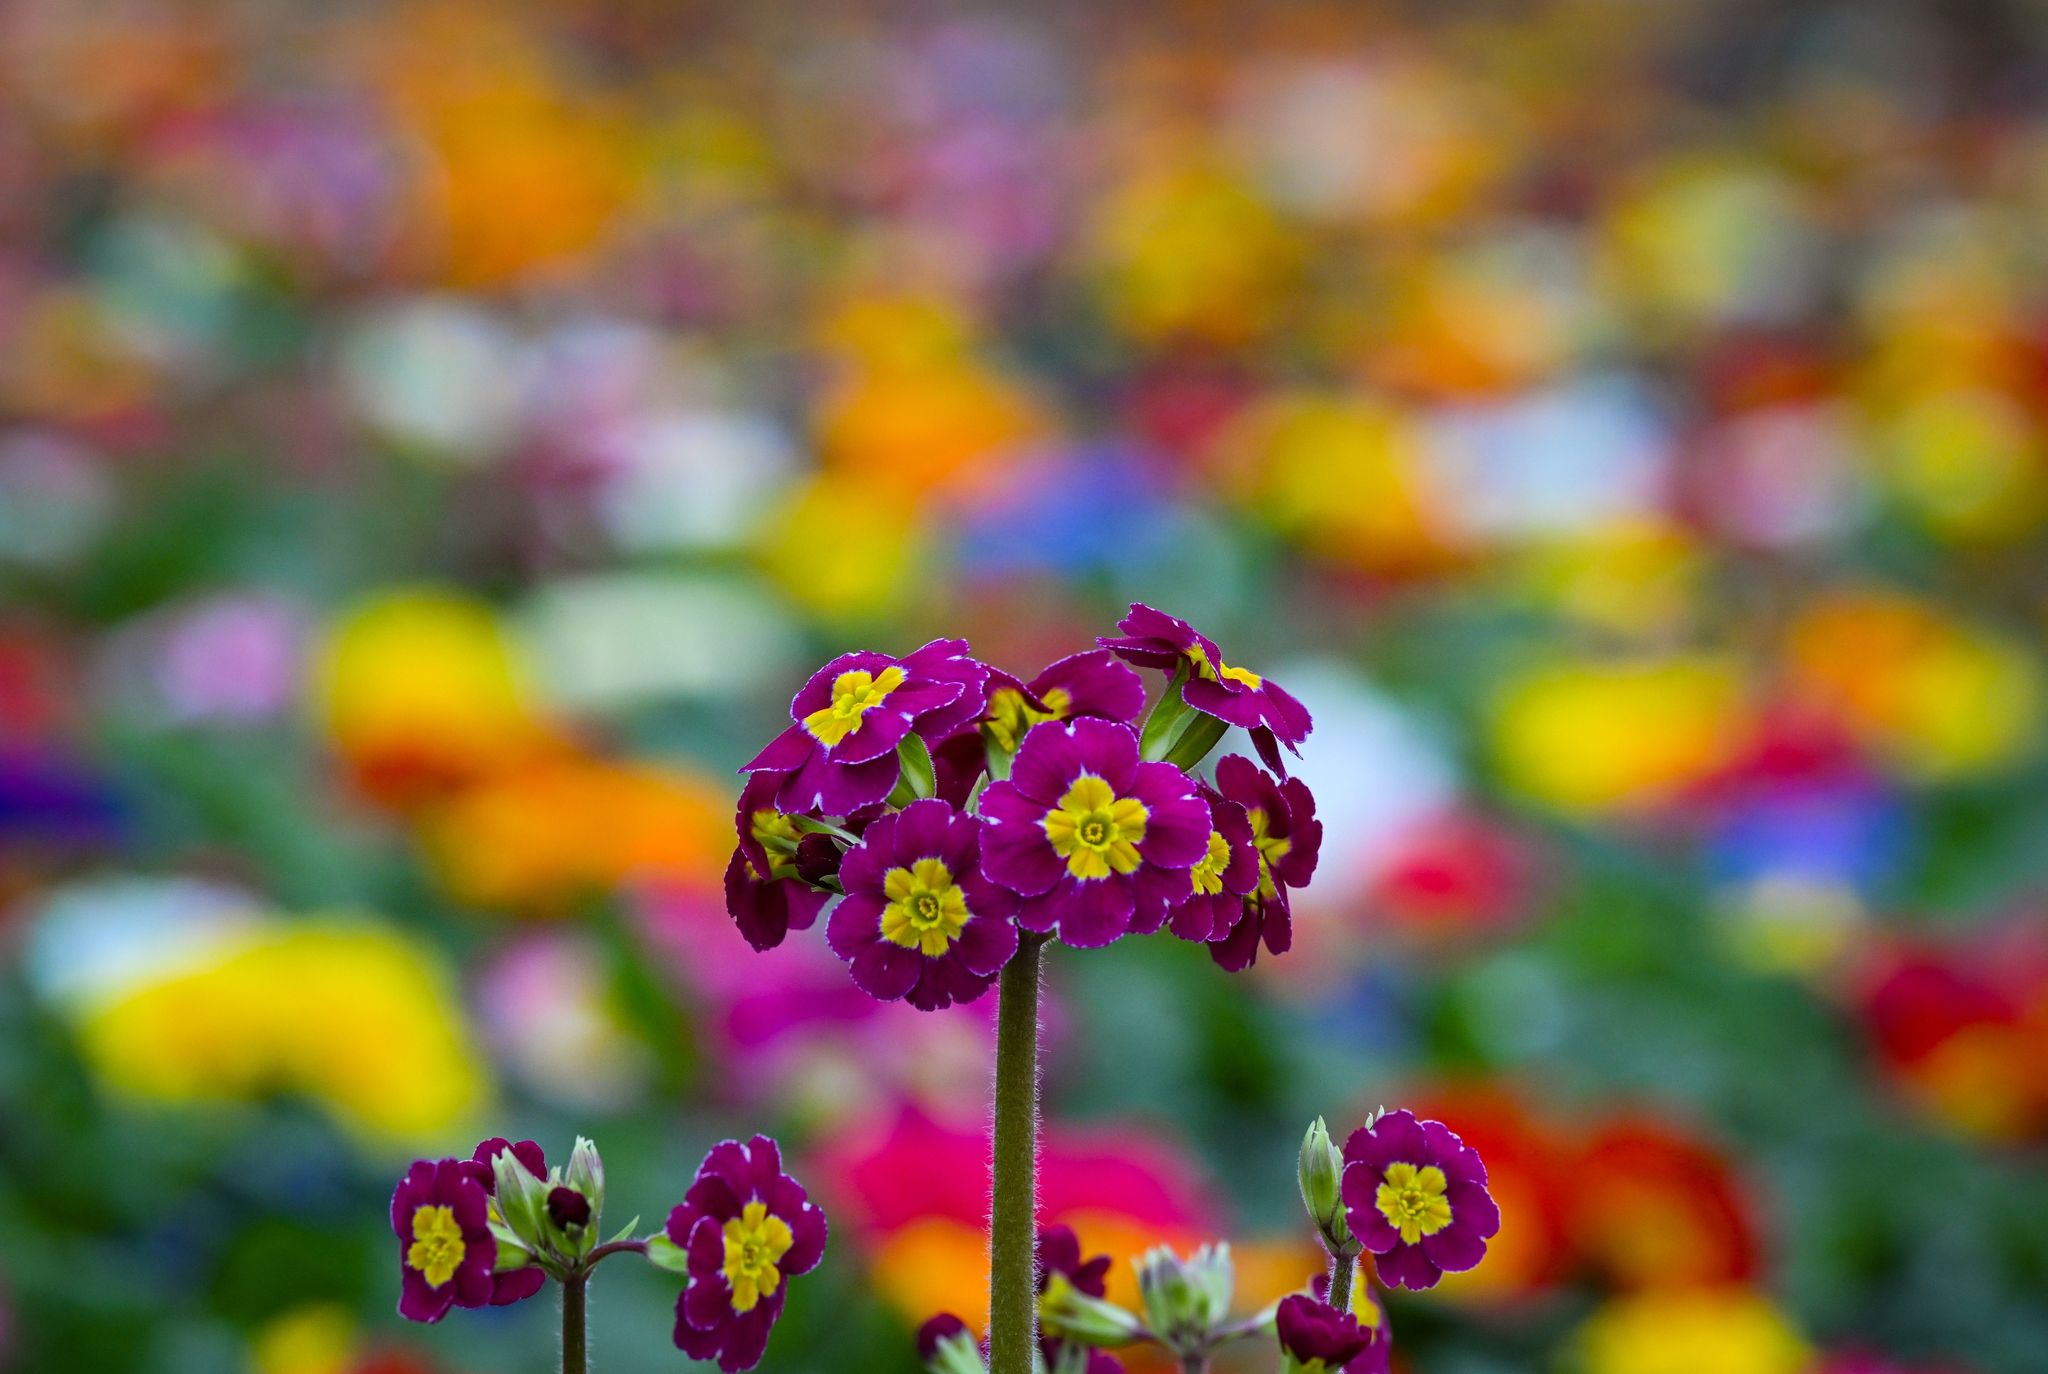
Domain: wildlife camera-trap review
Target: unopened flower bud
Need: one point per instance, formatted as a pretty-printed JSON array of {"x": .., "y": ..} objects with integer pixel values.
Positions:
[
  {"x": 521, "y": 1197},
  {"x": 1186, "y": 1300},
  {"x": 586, "y": 1173},
  {"x": 1321, "y": 1173},
  {"x": 817, "y": 858}
]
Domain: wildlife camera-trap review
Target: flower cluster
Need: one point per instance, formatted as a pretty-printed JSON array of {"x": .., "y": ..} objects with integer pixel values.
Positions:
[
  {"x": 948, "y": 810},
  {"x": 494, "y": 1228}
]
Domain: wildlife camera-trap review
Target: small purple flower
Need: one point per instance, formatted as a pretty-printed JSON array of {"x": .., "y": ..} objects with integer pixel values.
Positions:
[
  {"x": 1059, "y": 1252},
  {"x": 919, "y": 921},
  {"x": 1371, "y": 1313},
  {"x": 1092, "y": 683},
  {"x": 524, "y": 1282},
  {"x": 942, "y": 1327},
  {"x": 441, "y": 1216},
  {"x": 1287, "y": 837},
  {"x": 1096, "y": 842},
  {"x": 745, "y": 1227},
  {"x": 1316, "y": 1338},
  {"x": 1415, "y": 1195},
  {"x": 840, "y": 754},
  {"x": 764, "y": 893},
  {"x": 1220, "y": 881},
  {"x": 1238, "y": 696}
]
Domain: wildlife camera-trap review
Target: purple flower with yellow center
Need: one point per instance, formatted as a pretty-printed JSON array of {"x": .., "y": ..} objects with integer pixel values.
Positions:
[
  {"x": 840, "y": 755},
  {"x": 1415, "y": 1195},
  {"x": 919, "y": 920},
  {"x": 1315, "y": 1338},
  {"x": 1238, "y": 696},
  {"x": 1371, "y": 1314},
  {"x": 1227, "y": 873},
  {"x": 1287, "y": 837},
  {"x": 744, "y": 1227},
  {"x": 1096, "y": 842},
  {"x": 1091, "y": 683},
  {"x": 763, "y": 892},
  {"x": 509, "y": 1287},
  {"x": 446, "y": 1252}
]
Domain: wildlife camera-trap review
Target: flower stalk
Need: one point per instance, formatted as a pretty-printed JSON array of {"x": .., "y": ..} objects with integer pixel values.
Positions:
[
  {"x": 573, "y": 1348},
  {"x": 1013, "y": 1290}
]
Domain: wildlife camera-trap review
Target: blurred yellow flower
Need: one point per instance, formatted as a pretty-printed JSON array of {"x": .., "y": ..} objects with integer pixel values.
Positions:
[
  {"x": 843, "y": 548},
  {"x": 1593, "y": 737},
  {"x": 1940, "y": 698},
  {"x": 1969, "y": 461},
  {"x": 537, "y": 838},
  {"x": 422, "y": 688},
  {"x": 319, "y": 1338},
  {"x": 1340, "y": 474},
  {"x": 1691, "y": 1331},
  {"x": 353, "y": 1015},
  {"x": 1189, "y": 253}
]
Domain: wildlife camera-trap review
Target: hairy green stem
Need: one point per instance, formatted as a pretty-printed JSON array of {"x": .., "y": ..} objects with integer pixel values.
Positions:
[
  {"x": 1012, "y": 1226},
  {"x": 572, "y": 1322},
  {"x": 1341, "y": 1269}
]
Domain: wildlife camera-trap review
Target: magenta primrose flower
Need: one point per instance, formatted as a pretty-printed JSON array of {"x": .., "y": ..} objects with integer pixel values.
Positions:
[
  {"x": 1091, "y": 683},
  {"x": 762, "y": 891},
  {"x": 1316, "y": 1338},
  {"x": 840, "y": 754},
  {"x": 919, "y": 920},
  {"x": 446, "y": 1252},
  {"x": 1287, "y": 837},
  {"x": 745, "y": 1227},
  {"x": 523, "y": 1282},
  {"x": 1220, "y": 881},
  {"x": 1095, "y": 842},
  {"x": 1415, "y": 1195},
  {"x": 1238, "y": 696}
]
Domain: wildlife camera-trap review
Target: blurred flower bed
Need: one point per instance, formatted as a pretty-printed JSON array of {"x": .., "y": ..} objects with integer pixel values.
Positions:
[{"x": 435, "y": 438}]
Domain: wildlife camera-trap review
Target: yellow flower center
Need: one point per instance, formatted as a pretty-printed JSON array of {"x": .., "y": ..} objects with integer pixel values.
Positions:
[
  {"x": 1413, "y": 1202},
  {"x": 1010, "y": 716},
  {"x": 1096, "y": 831},
  {"x": 1219, "y": 669},
  {"x": 437, "y": 1245},
  {"x": 1272, "y": 849},
  {"x": 777, "y": 835},
  {"x": 854, "y": 693},
  {"x": 1207, "y": 874},
  {"x": 754, "y": 1243},
  {"x": 926, "y": 909}
]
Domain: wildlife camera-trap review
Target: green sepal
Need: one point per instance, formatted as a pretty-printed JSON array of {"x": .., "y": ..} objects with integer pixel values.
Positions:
[
  {"x": 664, "y": 1253},
  {"x": 811, "y": 825},
  {"x": 624, "y": 1231},
  {"x": 1163, "y": 720},
  {"x": 916, "y": 778},
  {"x": 1195, "y": 742}
]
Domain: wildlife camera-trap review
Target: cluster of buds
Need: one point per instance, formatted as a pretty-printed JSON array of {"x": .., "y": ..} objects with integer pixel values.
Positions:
[{"x": 542, "y": 1216}]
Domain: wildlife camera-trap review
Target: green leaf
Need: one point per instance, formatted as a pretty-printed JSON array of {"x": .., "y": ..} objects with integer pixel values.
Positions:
[
  {"x": 664, "y": 1253},
  {"x": 1163, "y": 721},
  {"x": 624, "y": 1231},
  {"x": 916, "y": 778},
  {"x": 1196, "y": 740}
]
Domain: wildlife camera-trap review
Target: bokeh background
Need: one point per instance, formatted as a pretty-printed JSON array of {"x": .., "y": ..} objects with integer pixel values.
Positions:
[{"x": 436, "y": 438}]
